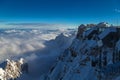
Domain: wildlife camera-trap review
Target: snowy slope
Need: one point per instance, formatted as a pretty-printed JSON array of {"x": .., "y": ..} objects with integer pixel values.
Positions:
[{"x": 76, "y": 61}]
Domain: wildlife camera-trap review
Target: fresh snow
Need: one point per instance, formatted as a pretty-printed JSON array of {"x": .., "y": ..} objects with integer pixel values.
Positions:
[{"x": 75, "y": 62}]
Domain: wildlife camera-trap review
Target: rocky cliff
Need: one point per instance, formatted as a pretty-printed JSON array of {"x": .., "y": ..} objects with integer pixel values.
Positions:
[{"x": 93, "y": 55}]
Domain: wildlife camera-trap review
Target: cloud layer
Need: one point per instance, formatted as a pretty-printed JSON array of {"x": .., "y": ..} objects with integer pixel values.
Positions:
[
  {"x": 35, "y": 25},
  {"x": 38, "y": 47}
]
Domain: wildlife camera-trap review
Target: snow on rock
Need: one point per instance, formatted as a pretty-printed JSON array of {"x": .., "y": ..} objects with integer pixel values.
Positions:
[
  {"x": 2, "y": 74},
  {"x": 118, "y": 45},
  {"x": 106, "y": 32},
  {"x": 12, "y": 70},
  {"x": 76, "y": 61},
  {"x": 103, "y": 24}
]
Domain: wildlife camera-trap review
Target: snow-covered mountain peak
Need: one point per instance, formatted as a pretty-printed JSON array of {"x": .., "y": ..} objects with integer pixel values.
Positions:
[
  {"x": 12, "y": 69},
  {"x": 90, "y": 57}
]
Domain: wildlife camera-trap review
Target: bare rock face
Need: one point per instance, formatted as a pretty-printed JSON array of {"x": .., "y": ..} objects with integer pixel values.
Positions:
[
  {"x": 91, "y": 25},
  {"x": 81, "y": 29}
]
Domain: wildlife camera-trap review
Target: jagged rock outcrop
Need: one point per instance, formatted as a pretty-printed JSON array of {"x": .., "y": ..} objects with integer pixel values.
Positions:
[
  {"x": 12, "y": 69},
  {"x": 89, "y": 57}
]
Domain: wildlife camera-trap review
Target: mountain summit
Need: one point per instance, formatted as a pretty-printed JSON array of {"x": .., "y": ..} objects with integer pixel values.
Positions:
[
  {"x": 12, "y": 69},
  {"x": 93, "y": 55}
]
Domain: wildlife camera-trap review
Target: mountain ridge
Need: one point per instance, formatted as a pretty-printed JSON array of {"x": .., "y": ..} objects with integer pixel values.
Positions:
[{"x": 89, "y": 56}]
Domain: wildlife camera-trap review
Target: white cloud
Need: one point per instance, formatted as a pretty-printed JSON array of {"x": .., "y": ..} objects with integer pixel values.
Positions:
[
  {"x": 39, "y": 48},
  {"x": 117, "y": 10},
  {"x": 34, "y": 25}
]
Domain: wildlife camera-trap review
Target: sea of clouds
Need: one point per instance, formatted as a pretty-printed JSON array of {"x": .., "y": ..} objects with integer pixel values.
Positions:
[{"x": 39, "y": 48}]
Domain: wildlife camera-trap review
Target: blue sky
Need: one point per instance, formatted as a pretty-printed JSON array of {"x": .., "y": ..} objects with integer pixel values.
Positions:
[{"x": 60, "y": 11}]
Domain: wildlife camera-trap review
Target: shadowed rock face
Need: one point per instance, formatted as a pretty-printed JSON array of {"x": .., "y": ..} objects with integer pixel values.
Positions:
[{"x": 81, "y": 61}]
